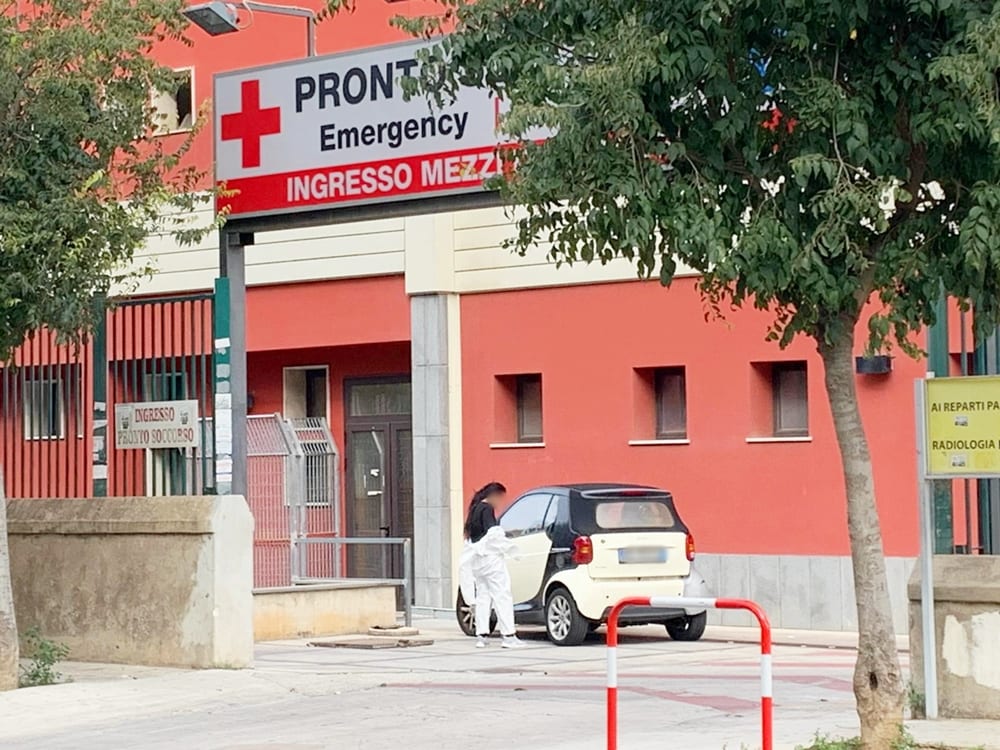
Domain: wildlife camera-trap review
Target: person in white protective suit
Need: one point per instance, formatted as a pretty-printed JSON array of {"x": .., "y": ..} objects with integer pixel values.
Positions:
[{"x": 484, "y": 577}]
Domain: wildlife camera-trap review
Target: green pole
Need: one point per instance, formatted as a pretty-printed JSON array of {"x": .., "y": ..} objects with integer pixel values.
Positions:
[
  {"x": 99, "y": 437},
  {"x": 938, "y": 362},
  {"x": 222, "y": 388},
  {"x": 983, "y": 366}
]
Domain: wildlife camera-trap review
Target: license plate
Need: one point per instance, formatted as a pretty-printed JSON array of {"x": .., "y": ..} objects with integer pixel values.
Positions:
[{"x": 642, "y": 556}]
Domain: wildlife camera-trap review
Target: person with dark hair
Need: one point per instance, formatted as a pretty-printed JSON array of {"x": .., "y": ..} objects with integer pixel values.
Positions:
[
  {"x": 486, "y": 567},
  {"x": 482, "y": 511}
]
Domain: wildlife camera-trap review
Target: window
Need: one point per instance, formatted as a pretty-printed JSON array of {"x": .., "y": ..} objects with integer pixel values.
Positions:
[
  {"x": 529, "y": 408},
  {"x": 518, "y": 412},
  {"x": 525, "y": 516},
  {"x": 552, "y": 514},
  {"x": 316, "y": 393},
  {"x": 44, "y": 409},
  {"x": 671, "y": 404},
  {"x": 380, "y": 399},
  {"x": 305, "y": 392},
  {"x": 51, "y": 401},
  {"x": 631, "y": 514},
  {"x": 174, "y": 109},
  {"x": 789, "y": 387},
  {"x": 659, "y": 406}
]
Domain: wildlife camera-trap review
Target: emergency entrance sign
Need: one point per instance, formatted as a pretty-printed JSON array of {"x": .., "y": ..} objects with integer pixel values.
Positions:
[
  {"x": 962, "y": 426},
  {"x": 150, "y": 425},
  {"x": 337, "y": 130}
]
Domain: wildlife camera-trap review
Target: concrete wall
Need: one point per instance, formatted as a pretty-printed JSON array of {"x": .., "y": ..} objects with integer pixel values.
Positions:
[
  {"x": 967, "y": 628},
  {"x": 306, "y": 611},
  {"x": 157, "y": 581},
  {"x": 800, "y": 592}
]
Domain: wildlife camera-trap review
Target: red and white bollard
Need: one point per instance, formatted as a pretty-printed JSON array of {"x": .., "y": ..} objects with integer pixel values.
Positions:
[{"x": 680, "y": 602}]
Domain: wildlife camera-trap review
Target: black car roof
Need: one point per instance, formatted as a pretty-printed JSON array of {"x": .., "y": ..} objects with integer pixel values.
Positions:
[{"x": 599, "y": 486}]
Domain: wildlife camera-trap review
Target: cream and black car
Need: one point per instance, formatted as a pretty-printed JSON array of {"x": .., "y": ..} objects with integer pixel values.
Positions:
[{"x": 582, "y": 548}]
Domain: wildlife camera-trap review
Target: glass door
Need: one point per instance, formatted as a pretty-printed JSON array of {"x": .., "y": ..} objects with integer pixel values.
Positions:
[
  {"x": 379, "y": 453},
  {"x": 368, "y": 501}
]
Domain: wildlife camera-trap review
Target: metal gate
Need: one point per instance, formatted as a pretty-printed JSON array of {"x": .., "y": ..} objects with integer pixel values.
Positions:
[
  {"x": 57, "y": 399},
  {"x": 293, "y": 489},
  {"x": 161, "y": 350}
]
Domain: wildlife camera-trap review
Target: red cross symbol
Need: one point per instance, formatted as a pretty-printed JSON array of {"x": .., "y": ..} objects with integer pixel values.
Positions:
[{"x": 251, "y": 124}]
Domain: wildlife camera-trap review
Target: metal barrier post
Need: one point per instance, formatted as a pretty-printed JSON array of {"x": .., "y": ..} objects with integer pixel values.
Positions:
[
  {"x": 680, "y": 602},
  {"x": 407, "y": 584}
]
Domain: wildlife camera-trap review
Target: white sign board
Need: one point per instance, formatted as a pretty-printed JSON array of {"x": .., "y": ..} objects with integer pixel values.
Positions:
[
  {"x": 337, "y": 130},
  {"x": 156, "y": 424}
]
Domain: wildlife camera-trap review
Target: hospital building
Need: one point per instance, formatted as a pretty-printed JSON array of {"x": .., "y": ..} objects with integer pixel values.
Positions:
[{"x": 408, "y": 357}]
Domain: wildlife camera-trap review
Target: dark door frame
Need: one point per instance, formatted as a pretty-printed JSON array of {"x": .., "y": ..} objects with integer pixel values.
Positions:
[{"x": 389, "y": 425}]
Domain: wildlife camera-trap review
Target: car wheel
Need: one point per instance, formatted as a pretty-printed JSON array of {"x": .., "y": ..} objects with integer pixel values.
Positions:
[
  {"x": 687, "y": 628},
  {"x": 592, "y": 627},
  {"x": 564, "y": 624},
  {"x": 466, "y": 616}
]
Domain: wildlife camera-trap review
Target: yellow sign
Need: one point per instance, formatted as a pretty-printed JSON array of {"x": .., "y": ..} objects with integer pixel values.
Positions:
[{"x": 963, "y": 426}]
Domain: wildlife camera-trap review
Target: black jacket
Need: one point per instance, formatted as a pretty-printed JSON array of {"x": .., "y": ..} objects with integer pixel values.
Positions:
[{"x": 481, "y": 520}]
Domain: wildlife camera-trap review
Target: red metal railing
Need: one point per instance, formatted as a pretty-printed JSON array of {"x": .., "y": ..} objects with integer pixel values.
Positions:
[{"x": 680, "y": 602}]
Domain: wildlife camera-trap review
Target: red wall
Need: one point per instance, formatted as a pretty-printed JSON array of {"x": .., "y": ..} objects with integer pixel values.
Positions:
[
  {"x": 358, "y": 327},
  {"x": 739, "y": 498},
  {"x": 266, "y": 369},
  {"x": 328, "y": 313},
  {"x": 266, "y": 375}
]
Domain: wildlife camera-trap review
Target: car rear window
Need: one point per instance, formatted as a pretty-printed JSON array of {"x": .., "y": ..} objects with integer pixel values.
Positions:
[{"x": 633, "y": 514}]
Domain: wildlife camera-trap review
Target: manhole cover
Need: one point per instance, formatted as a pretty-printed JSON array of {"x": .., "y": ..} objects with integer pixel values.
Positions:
[{"x": 374, "y": 643}]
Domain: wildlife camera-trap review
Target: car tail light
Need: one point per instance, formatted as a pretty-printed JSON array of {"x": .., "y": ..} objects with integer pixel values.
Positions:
[
  {"x": 583, "y": 550},
  {"x": 689, "y": 548}
]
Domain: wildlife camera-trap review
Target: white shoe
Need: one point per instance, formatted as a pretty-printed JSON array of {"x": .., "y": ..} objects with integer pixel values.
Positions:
[
  {"x": 512, "y": 641},
  {"x": 480, "y": 641}
]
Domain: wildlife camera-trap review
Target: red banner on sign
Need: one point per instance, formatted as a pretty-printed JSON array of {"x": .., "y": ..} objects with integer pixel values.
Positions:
[{"x": 360, "y": 183}]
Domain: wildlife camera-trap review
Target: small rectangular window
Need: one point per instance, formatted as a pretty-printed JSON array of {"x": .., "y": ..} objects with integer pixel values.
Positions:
[
  {"x": 529, "y": 409},
  {"x": 316, "y": 392},
  {"x": 789, "y": 386},
  {"x": 671, "y": 404},
  {"x": 306, "y": 392},
  {"x": 174, "y": 109},
  {"x": 44, "y": 409}
]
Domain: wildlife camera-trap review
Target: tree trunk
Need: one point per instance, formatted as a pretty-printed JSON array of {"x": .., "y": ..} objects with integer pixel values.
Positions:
[
  {"x": 8, "y": 628},
  {"x": 878, "y": 680}
]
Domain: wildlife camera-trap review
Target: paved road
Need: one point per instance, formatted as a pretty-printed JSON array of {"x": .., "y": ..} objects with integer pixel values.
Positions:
[{"x": 690, "y": 696}]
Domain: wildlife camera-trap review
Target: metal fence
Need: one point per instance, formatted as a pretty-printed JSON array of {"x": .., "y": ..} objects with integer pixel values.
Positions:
[
  {"x": 56, "y": 399},
  {"x": 271, "y": 480},
  {"x": 161, "y": 349},
  {"x": 46, "y": 417},
  {"x": 314, "y": 506}
]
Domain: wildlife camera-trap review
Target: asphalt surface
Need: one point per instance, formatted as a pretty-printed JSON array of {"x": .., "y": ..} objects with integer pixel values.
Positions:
[{"x": 299, "y": 697}]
